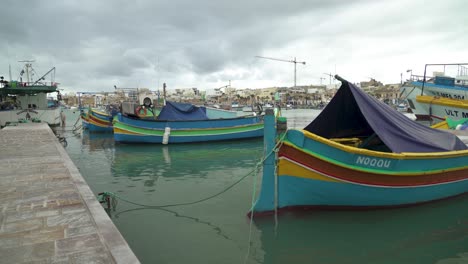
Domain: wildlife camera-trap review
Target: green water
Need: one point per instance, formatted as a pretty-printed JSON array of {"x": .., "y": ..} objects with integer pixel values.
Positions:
[{"x": 217, "y": 230}]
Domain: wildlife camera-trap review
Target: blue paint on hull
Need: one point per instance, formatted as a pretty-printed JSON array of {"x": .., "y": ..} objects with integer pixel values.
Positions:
[
  {"x": 187, "y": 139},
  {"x": 210, "y": 123},
  {"x": 103, "y": 117},
  {"x": 84, "y": 124},
  {"x": 440, "y": 86},
  {"x": 94, "y": 128},
  {"x": 294, "y": 191}
]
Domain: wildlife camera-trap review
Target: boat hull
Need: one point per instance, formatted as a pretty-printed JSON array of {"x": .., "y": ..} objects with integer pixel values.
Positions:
[
  {"x": 50, "y": 116},
  {"x": 316, "y": 172},
  {"x": 412, "y": 90},
  {"x": 333, "y": 194},
  {"x": 440, "y": 107},
  {"x": 97, "y": 122},
  {"x": 153, "y": 131}
]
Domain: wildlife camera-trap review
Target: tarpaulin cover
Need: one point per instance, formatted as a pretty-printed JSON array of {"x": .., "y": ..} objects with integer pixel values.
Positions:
[
  {"x": 353, "y": 113},
  {"x": 173, "y": 111}
]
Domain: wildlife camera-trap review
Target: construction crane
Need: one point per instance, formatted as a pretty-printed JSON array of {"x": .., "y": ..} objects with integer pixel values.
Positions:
[
  {"x": 125, "y": 89},
  {"x": 321, "y": 79},
  {"x": 331, "y": 76},
  {"x": 291, "y": 61}
]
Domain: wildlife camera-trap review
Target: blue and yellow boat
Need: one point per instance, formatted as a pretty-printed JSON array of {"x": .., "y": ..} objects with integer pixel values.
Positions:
[
  {"x": 360, "y": 153},
  {"x": 96, "y": 121},
  {"x": 185, "y": 123}
]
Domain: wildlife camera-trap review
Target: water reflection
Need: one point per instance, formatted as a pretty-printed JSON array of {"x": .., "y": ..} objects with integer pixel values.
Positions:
[
  {"x": 420, "y": 234},
  {"x": 97, "y": 141},
  {"x": 188, "y": 160},
  {"x": 216, "y": 228}
]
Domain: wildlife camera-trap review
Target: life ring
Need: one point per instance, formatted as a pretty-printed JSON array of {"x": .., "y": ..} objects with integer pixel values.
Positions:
[{"x": 137, "y": 110}]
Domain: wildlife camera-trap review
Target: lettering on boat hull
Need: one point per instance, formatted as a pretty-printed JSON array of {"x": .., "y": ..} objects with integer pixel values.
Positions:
[
  {"x": 448, "y": 95},
  {"x": 373, "y": 162},
  {"x": 455, "y": 113}
]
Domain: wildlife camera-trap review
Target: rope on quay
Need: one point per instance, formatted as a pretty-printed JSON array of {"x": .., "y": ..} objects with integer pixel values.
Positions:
[{"x": 110, "y": 198}]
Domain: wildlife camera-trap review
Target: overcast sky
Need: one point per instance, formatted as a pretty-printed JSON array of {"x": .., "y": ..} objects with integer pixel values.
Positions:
[{"x": 95, "y": 45}]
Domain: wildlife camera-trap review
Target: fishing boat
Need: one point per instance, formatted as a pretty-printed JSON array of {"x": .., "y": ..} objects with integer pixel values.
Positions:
[
  {"x": 440, "y": 107},
  {"x": 184, "y": 123},
  {"x": 95, "y": 120},
  {"x": 402, "y": 108},
  {"x": 100, "y": 120},
  {"x": 26, "y": 100},
  {"x": 457, "y": 127},
  {"x": 359, "y": 152},
  {"x": 438, "y": 95}
]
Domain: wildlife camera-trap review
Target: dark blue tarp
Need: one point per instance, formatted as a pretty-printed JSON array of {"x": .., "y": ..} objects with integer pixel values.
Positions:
[
  {"x": 353, "y": 113},
  {"x": 173, "y": 111}
]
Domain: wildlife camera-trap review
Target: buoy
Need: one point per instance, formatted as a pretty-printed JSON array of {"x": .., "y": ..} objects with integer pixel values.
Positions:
[{"x": 167, "y": 132}]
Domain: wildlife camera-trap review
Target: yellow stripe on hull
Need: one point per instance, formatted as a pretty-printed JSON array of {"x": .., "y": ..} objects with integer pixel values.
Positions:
[
  {"x": 403, "y": 155},
  {"x": 126, "y": 132},
  {"x": 96, "y": 123},
  {"x": 426, "y": 99},
  {"x": 286, "y": 167}
]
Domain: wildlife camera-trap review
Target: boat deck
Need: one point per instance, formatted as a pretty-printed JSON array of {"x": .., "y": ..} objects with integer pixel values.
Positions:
[{"x": 48, "y": 214}]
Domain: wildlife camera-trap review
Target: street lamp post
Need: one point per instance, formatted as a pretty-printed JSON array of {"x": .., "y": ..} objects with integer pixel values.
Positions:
[{"x": 411, "y": 72}]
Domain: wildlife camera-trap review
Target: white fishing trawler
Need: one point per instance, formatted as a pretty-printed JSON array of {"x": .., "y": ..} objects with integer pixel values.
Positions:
[
  {"x": 26, "y": 99},
  {"x": 440, "y": 95}
]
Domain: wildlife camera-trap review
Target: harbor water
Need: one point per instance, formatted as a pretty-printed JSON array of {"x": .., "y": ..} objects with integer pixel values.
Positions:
[{"x": 217, "y": 229}]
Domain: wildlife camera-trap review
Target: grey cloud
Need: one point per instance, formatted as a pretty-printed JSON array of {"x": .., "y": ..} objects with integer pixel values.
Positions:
[{"x": 94, "y": 42}]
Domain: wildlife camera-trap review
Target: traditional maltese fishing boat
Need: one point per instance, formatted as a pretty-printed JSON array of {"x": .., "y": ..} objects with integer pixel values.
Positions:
[
  {"x": 359, "y": 152},
  {"x": 97, "y": 121},
  {"x": 184, "y": 123}
]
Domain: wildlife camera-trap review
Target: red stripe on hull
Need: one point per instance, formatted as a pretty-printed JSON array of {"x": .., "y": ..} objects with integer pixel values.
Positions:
[
  {"x": 367, "y": 178},
  {"x": 100, "y": 121}
]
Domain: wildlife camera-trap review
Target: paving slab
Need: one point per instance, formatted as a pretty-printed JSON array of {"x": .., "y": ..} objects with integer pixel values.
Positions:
[{"x": 48, "y": 214}]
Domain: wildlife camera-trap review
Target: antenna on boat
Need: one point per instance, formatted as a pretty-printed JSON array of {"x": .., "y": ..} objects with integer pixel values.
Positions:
[
  {"x": 43, "y": 76},
  {"x": 28, "y": 66}
]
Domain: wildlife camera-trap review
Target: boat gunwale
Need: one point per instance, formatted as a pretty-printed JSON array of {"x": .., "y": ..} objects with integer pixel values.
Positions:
[
  {"x": 439, "y": 86},
  {"x": 437, "y": 100},
  {"x": 184, "y": 129},
  {"x": 198, "y": 120},
  {"x": 402, "y": 155}
]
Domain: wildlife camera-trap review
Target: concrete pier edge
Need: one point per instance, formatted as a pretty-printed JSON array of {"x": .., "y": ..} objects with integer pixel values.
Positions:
[
  {"x": 110, "y": 235},
  {"x": 111, "y": 238}
]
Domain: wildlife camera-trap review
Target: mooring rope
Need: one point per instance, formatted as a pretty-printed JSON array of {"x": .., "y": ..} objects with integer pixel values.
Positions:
[
  {"x": 104, "y": 195},
  {"x": 113, "y": 195},
  {"x": 74, "y": 126},
  {"x": 274, "y": 150}
]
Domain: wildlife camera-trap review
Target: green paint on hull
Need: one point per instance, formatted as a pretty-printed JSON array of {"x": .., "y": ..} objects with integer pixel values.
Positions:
[
  {"x": 186, "y": 132},
  {"x": 395, "y": 171}
]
